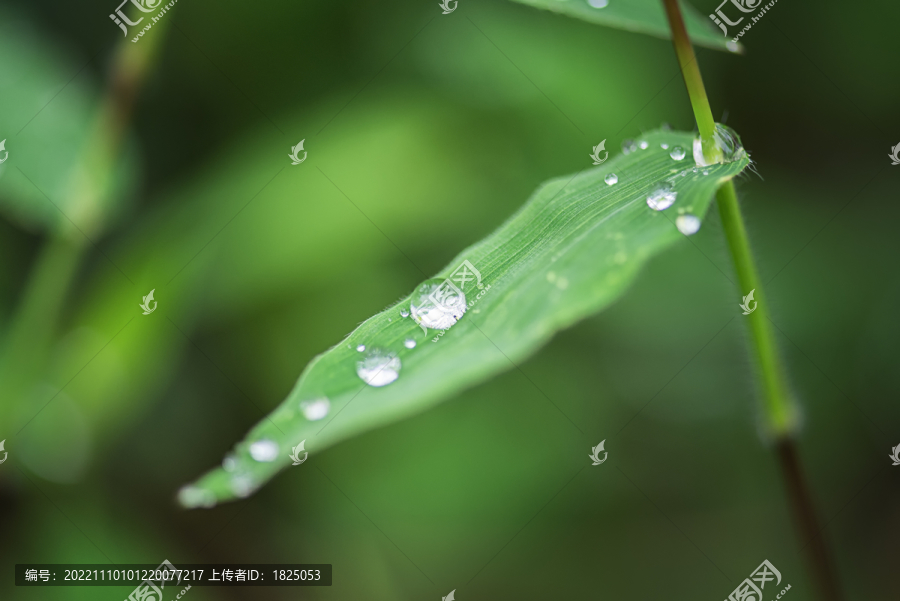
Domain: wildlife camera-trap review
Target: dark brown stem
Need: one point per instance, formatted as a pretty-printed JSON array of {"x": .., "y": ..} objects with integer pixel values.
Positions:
[{"x": 812, "y": 536}]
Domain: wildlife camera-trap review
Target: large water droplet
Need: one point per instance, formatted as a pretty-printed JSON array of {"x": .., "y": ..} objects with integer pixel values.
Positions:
[
  {"x": 438, "y": 304},
  {"x": 264, "y": 450},
  {"x": 315, "y": 410},
  {"x": 728, "y": 147},
  {"x": 677, "y": 153},
  {"x": 379, "y": 368},
  {"x": 599, "y": 3},
  {"x": 404, "y": 313},
  {"x": 194, "y": 496},
  {"x": 611, "y": 179},
  {"x": 409, "y": 343},
  {"x": 628, "y": 146},
  {"x": 688, "y": 224},
  {"x": 361, "y": 348},
  {"x": 662, "y": 198}
]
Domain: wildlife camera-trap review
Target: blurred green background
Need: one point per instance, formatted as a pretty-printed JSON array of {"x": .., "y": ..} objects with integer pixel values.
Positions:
[{"x": 435, "y": 129}]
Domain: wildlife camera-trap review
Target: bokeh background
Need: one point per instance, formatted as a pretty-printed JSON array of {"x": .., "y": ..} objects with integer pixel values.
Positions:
[{"x": 434, "y": 129}]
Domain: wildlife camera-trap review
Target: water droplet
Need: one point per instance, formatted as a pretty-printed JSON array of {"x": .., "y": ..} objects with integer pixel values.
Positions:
[
  {"x": 409, "y": 343},
  {"x": 379, "y": 368},
  {"x": 437, "y": 305},
  {"x": 662, "y": 198},
  {"x": 728, "y": 147},
  {"x": 611, "y": 179},
  {"x": 665, "y": 127},
  {"x": 404, "y": 313},
  {"x": 194, "y": 496},
  {"x": 264, "y": 450},
  {"x": 687, "y": 224},
  {"x": 643, "y": 144},
  {"x": 706, "y": 172},
  {"x": 315, "y": 410},
  {"x": 677, "y": 153},
  {"x": 599, "y": 3},
  {"x": 229, "y": 464},
  {"x": 664, "y": 146},
  {"x": 243, "y": 485},
  {"x": 361, "y": 348},
  {"x": 732, "y": 46},
  {"x": 628, "y": 146}
]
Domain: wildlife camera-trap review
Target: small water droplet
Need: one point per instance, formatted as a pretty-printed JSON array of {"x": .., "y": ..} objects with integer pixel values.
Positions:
[
  {"x": 229, "y": 464},
  {"x": 315, "y": 410},
  {"x": 361, "y": 348},
  {"x": 264, "y": 450},
  {"x": 644, "y": 144},
  {"x": 628, "y": 146},
  {"x": 732, "y": 46},
  {"x": 611, "y": 179},
  {"x": 677, "y": 153},
  {"x": 665, "y": 127},
  {"x": 243, "y": 485},
  {"x": 194, "y": 496},
  {"x": 599, "y": 3},
  {"x": 379, "y": 368},
  {"x": 688, "y": 224},
  {"x": 728, "y": 147},
  {"x": 706, "y": 172},
  {"x": 436, "y": 305},
  {"x": 409, "y": 343},
  {"x": 664, "y": 146},
  {"x": 404, "y": 313},
  {"x": 662, "y": 198}
]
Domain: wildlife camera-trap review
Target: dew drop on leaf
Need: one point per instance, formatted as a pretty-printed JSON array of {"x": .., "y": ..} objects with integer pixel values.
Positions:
[
  {"x": 379, "y": 368},
  {"x": 315, "y": 410},
  {"x": 688, "y": 224},
  {"x": 611, "y": 179},
  {"x": 662, "y": 198},
  {"x": 264, "y": 450},
  {"x": 677, "y": 153}
]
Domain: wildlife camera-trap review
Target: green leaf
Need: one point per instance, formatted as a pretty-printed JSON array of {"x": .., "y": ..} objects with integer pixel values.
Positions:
[
  {"x": 568, "y": 253},
  {"x": 641, "y": 16}
]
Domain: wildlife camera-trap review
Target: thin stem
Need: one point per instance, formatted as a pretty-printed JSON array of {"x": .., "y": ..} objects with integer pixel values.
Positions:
[
  {"x": 777, "y": 401},
  {"x": 778, "y": 409}
]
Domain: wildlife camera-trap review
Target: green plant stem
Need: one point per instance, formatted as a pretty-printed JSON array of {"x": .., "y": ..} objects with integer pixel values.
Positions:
[{"x": 778, "y": 409}]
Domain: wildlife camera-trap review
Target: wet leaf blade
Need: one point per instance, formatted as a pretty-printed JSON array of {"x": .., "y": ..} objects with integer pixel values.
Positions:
[
  {"x": 639, "y": 16},
  {"x": 569, "y": 252}
]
